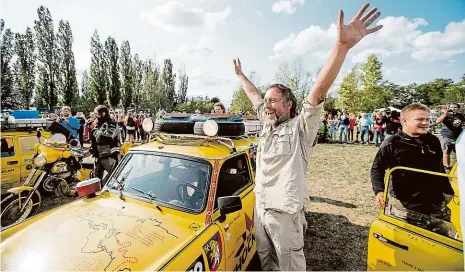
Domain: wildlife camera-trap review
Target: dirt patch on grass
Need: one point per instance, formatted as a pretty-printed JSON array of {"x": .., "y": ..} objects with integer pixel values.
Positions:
[{"x": 342, "y": 207}]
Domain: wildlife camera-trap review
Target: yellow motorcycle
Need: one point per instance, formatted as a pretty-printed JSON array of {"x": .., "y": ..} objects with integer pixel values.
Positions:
[{"x": 57, "y": 168}]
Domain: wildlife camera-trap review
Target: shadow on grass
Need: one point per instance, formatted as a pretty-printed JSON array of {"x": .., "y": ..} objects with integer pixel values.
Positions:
[
  {"x": 333, "y": 243},
  {"x": 332, "y": 202}
]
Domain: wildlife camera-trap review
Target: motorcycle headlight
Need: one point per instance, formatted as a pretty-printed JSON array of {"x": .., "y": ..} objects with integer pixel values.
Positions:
[
  {"x": 39, "y": 161},
  {"x": 59, "y": 167}
]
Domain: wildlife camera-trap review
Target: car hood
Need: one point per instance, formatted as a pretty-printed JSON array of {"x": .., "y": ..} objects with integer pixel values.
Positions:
[{"x": 99, "y": 234}]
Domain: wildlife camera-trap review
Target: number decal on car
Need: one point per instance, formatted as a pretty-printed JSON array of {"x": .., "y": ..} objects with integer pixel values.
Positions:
[{"x": 197, "y": 266}]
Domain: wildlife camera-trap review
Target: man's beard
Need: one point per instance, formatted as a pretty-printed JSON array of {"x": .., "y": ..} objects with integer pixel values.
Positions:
[{"x": 279, "y": 119}]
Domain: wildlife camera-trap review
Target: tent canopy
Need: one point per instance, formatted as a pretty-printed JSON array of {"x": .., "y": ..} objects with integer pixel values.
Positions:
[{"x": 390, "y": 108}]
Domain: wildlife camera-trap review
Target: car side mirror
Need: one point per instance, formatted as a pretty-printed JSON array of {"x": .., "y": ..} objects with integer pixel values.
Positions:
[
  {"x": 229, "y": 204},
  {"x": 73, "y": 142}
]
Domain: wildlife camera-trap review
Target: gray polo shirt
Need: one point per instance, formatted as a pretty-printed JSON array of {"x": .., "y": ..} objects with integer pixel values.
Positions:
[{"x": 282, "y": 160}]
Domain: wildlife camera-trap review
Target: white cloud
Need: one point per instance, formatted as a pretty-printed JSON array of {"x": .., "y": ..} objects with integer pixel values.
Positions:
[
  {"x": 201, "y": 49},
  {"x": 287, "y": 6},
  {"x": 392, "y": 71},
  {"x": 175, "y": 16},
  {"x": 399, "y": 35},
  {"x": 437, "y": 45},
  {"x": 202, "y": 77},
  {"x": 214, "y": 19}
]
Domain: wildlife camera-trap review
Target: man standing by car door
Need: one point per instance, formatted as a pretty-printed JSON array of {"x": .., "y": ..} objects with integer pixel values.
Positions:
[
  {"x": 414, "y": 196},
  {"x": 284, "y": 151}
]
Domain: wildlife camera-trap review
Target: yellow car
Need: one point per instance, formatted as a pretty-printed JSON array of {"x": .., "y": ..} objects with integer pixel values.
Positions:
[
  {"x": 395, "y": 244},
  {"x": 17, "y": 150},
  {"x": 179, "y": 202}
]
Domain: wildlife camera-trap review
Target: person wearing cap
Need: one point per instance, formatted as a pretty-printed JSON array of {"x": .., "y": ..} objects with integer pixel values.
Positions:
[{"x": 284, "y": 150}]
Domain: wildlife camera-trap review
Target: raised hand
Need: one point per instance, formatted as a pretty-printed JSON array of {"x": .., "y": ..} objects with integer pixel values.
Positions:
[
  {"x": 352, "y": 33},
  {"x": 237, "y": 67}
]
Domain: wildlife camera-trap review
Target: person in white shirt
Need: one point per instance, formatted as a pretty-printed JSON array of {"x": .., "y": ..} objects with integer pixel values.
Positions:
[{"x": 284, "y": 150}]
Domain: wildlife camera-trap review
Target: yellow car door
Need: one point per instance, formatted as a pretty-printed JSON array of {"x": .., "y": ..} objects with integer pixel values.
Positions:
[
  {"x": 235, "y": 179},
  {"x": 10, "y": 164},
  {"x": 26, "y": 152},
  {"x": 395, "y": 244}
]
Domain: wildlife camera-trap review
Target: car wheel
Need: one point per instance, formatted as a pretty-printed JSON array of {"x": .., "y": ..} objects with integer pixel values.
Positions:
[
  {"x": 174, "y": 126},
  {"x": 224, "y": 128}
]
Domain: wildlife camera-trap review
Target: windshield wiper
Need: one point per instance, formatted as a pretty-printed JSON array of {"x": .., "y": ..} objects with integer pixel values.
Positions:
[
  {"x": 120, "y": 187},
  {"x": 121, "y": 183},
  {"x": 147, "y": 196}
]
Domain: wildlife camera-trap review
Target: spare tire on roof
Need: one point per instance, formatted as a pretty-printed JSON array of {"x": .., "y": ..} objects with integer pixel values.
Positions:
[
  {"x": 174, "y": 126},
  {"x": 224, "y": 128}
]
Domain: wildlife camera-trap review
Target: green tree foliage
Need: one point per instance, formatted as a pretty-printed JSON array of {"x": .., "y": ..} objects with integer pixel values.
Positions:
[
  {"x": 83, "y": 103},
  {"x": 361, "y": 88},
  {"x": 330, "y": 104},
  {"x": 350, "y": 92},
  {"x": 138, "y": 76},
  {"x": 432, "y": 93},
  {"x": 126, "y": 74},
  {"x": 374, "y": 95},
  {"x": 202, "y": 104},
  {"x": 26, "y": 63},
  {"x": 168, "y": 85},
  {"x": 67, "y": 70},
  {"x": 241, "y": 103},
  {"x": 455, "y": 92},
  {"x": 182, "y": 90},
  {"x": 99, "y": 81},
  {"x": 111, "y": 59},
  {"x": 401, "y": 96},
  {"x": 47, "y": 57},
  {"x": 9, "y": 99},
  {"x": 151, "y": 95}
]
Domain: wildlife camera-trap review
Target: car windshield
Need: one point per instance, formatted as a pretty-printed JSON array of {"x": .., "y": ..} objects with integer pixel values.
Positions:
[{"x": 169, "y": 180}]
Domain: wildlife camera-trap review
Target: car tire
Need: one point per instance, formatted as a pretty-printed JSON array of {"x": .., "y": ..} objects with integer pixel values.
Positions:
[
  {"x": 174, "y": 126},
  {"x": 224, "y": 128}
]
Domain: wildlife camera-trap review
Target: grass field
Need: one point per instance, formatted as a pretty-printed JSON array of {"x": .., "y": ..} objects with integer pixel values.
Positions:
[{"x": 342, "y": 207}]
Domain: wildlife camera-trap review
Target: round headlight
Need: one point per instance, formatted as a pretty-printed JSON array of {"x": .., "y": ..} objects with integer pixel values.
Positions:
[
  {"x": 11, "y": 120},
  {"x": 39, "y": 161},
  {"x": 210, "y": 128},
  {"x": 147, "y": 125}
]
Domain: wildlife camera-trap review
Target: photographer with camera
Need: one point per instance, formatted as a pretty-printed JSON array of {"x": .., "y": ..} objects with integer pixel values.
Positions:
[
  {"x": 452, "y": 125},
  {"x": 70, "y": 125}
]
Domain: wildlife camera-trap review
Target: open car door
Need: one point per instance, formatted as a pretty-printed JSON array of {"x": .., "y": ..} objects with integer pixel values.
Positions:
[{"x": 395, "y": 244}]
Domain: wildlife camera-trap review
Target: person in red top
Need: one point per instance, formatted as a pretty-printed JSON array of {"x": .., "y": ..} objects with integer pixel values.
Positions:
[
  {"x": 379, "y": 121},
  {"x": 352, "y": 122}
]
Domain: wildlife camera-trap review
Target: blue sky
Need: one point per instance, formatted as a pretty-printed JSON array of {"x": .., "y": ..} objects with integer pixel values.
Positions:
[{"x": 420, "y": 41}]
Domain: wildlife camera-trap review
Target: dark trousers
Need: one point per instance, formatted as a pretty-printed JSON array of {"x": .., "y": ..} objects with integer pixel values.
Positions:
[{"x": 103, "y": 164}]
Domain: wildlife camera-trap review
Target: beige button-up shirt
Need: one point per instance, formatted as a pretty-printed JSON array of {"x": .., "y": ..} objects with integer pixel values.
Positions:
[{"x": 282, "y": 160}]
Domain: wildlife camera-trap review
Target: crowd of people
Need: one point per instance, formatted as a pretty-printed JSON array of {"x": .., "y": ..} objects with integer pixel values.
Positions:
[{"x": 364, "y": 128}]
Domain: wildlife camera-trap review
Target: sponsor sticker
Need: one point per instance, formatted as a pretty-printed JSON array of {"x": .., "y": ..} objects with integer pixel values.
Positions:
[{"x": 213, "y": 250}]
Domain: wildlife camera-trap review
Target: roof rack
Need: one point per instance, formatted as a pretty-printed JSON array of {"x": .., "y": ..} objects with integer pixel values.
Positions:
[
  {"x": 23, "y": 124},
  {"x": 186, "y": 139}
]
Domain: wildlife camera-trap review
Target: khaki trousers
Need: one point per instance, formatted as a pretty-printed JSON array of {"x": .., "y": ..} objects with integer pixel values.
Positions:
[{"x": 280, "y": 239}]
